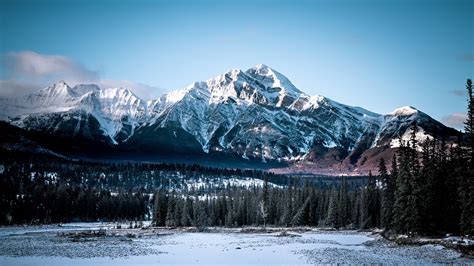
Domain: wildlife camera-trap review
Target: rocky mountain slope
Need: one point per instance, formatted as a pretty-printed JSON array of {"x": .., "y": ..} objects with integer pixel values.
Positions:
[{"x": 255, "y": 115}]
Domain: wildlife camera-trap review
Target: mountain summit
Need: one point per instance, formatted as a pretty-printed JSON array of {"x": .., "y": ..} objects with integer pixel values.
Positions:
[{"x": 254, "y": 115}]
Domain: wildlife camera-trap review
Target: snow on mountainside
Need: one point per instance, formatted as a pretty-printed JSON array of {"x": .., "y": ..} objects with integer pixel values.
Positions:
[
  {"x": 259, "y": 113},
  {"x": 404, "y": 111},
  {"x": 113, "y": 108},
  {"x": 256, "y": 114}
]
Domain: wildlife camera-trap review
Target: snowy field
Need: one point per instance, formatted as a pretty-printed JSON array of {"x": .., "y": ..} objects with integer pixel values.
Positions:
[{"x": 74, "y": 244}]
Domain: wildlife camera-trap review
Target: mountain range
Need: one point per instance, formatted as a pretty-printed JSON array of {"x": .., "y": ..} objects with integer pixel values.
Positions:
[{"x": 250, "y": 117}]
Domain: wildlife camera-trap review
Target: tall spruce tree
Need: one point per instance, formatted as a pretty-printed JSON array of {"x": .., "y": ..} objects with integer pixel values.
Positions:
[
  {"x": 343, "y": 204},
  {"x": 403, "y": 192},
  {"x": 451, "y": 211},
  {"x": 416, "y": 199},
  {"x": 263, "y": 206},
  {"x": 170, "y": 213},
  {"x": 430, "y": 181},
  {"x": 299, "y": 218},
  {"x": 469, "y": 123},
  {"x": 388, "y": 194},
  {"x": 466, "y": 193},
  {"x": 160, "y": 208},
  {"x": 332, "y": 213},
  {"x": 372, "y": 207}
]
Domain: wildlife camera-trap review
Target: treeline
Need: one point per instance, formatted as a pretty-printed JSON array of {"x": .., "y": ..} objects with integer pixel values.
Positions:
[
  {"x": 119, "y": 175},
  {"x": 43, "y": 189},
  {"x": 293, "y": 205},
  {"x": 38, "y": 188},
  {"x": 430, "y": 190},
  {"x": 425, "y": 193},
  {"x": 42, "y": 200}
]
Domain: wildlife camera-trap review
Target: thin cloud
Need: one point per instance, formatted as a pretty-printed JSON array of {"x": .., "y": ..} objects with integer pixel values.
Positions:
[
  {"x": 467, "y": 57},
  {"x": 10, "y": 88},
  {"x": 28, "y": 71},
  {"x": 31, "y": 64},
  {"x": 455, "y": 120},
  {"x": 459, "y": 93}
]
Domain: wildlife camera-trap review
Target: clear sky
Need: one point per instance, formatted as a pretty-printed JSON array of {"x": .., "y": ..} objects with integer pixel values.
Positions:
[{"x": 376, "y": 54}]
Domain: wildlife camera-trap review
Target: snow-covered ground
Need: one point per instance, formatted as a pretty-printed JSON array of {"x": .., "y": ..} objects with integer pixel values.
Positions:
[
  {"x": 65, "y": 246},
  {"x": 245, "y": 182}
]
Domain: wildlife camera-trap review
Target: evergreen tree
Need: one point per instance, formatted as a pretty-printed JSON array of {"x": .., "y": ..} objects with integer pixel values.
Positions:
[
  {"x": 372, "y": 209},
  {"x": 413, "y": 150},
  {"x": 466, "y": 193},
  {"x": 288, "y": 210},
  {"x": 394, "y": 172},
  {"x": 313, "y": 215},
  {"x": 449, "y": 187},
  {"x": 298, "y": 219},
  {"x": 160, "y": 208},
  {"x": 332, "y": 213},
  {"x": 357, "y": 208},
  {"x": 388, "y": 194},
  {"x": 403, "y": 192},
  {"x": 469, "y": 123},
  {"x": 343, "y": 204},
  {"x": 417, "y": 196},
  {"x": 429, "y": 191},
  {"x": 171, "y": 210},
  {"x": 263, "y": 206}
]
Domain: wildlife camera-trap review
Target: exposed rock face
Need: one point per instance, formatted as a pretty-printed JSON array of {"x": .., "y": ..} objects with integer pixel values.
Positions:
[{"x": 254, "y": 115}]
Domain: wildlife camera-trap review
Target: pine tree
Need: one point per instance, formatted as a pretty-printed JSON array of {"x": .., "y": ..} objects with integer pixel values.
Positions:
[
  {"x": 403, "y": 192},
  {"x": 357, "y": 208},
  {"x": 288, "y": 210},
  {"x": 159, "y": 214},
  {"x": 201, "y": 212},
  {"x": 388, "y": 194},
  {"x": 430, "y": 184},
  {"x": 449, "y": 188},
  {"x": 469, "y": 123},
  {"x": 343, "y": 204},
  {"x": 332, "y": 213},
  {"x": 170, "y": 214},
  {"x": 313, "y": 219},
  {"x": 413, "y": 150},
  {"x": 394, "y": 172},
  {"x": 417, "y": 197},
  {"x": 263, "y": 206},
  {"x": 298, "y": 219},
  {"x": 372, "y": 209},
  {"x": 467, "y": 182},
  {"x": 185, "y": 217}
]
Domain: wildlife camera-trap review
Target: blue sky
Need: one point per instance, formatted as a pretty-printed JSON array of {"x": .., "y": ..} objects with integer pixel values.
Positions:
[{"x": 376, "y": 54}]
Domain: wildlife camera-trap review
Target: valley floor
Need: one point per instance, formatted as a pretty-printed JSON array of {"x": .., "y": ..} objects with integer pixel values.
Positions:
[{"x": 98, "y": 244}]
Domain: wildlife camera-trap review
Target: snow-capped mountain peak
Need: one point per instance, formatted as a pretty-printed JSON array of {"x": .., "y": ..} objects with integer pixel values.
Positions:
[
  {"x": 82, "y": 89},
  {"x": 271, "y": 78},
  {"x": 59, "y": 88},
  {"x": 276, "y": 85},
  {"x": 257, "y": 113},
  {"x": 261, "y": 85},
  {"x": 404, "y": 111},
  {"x": 58, "y": 96},
  {"x": 112, "y": 108}
]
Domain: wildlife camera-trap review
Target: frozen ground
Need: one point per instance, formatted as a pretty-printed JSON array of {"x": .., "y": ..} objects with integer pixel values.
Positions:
[{"x": 73, "y": 244}]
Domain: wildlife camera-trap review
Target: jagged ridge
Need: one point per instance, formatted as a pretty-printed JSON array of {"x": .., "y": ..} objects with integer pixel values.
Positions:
[{"x": 256, "y": 113}]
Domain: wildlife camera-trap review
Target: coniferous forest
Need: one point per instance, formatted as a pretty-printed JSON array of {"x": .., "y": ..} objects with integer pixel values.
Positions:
[{"x": 426, "y": 189}]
